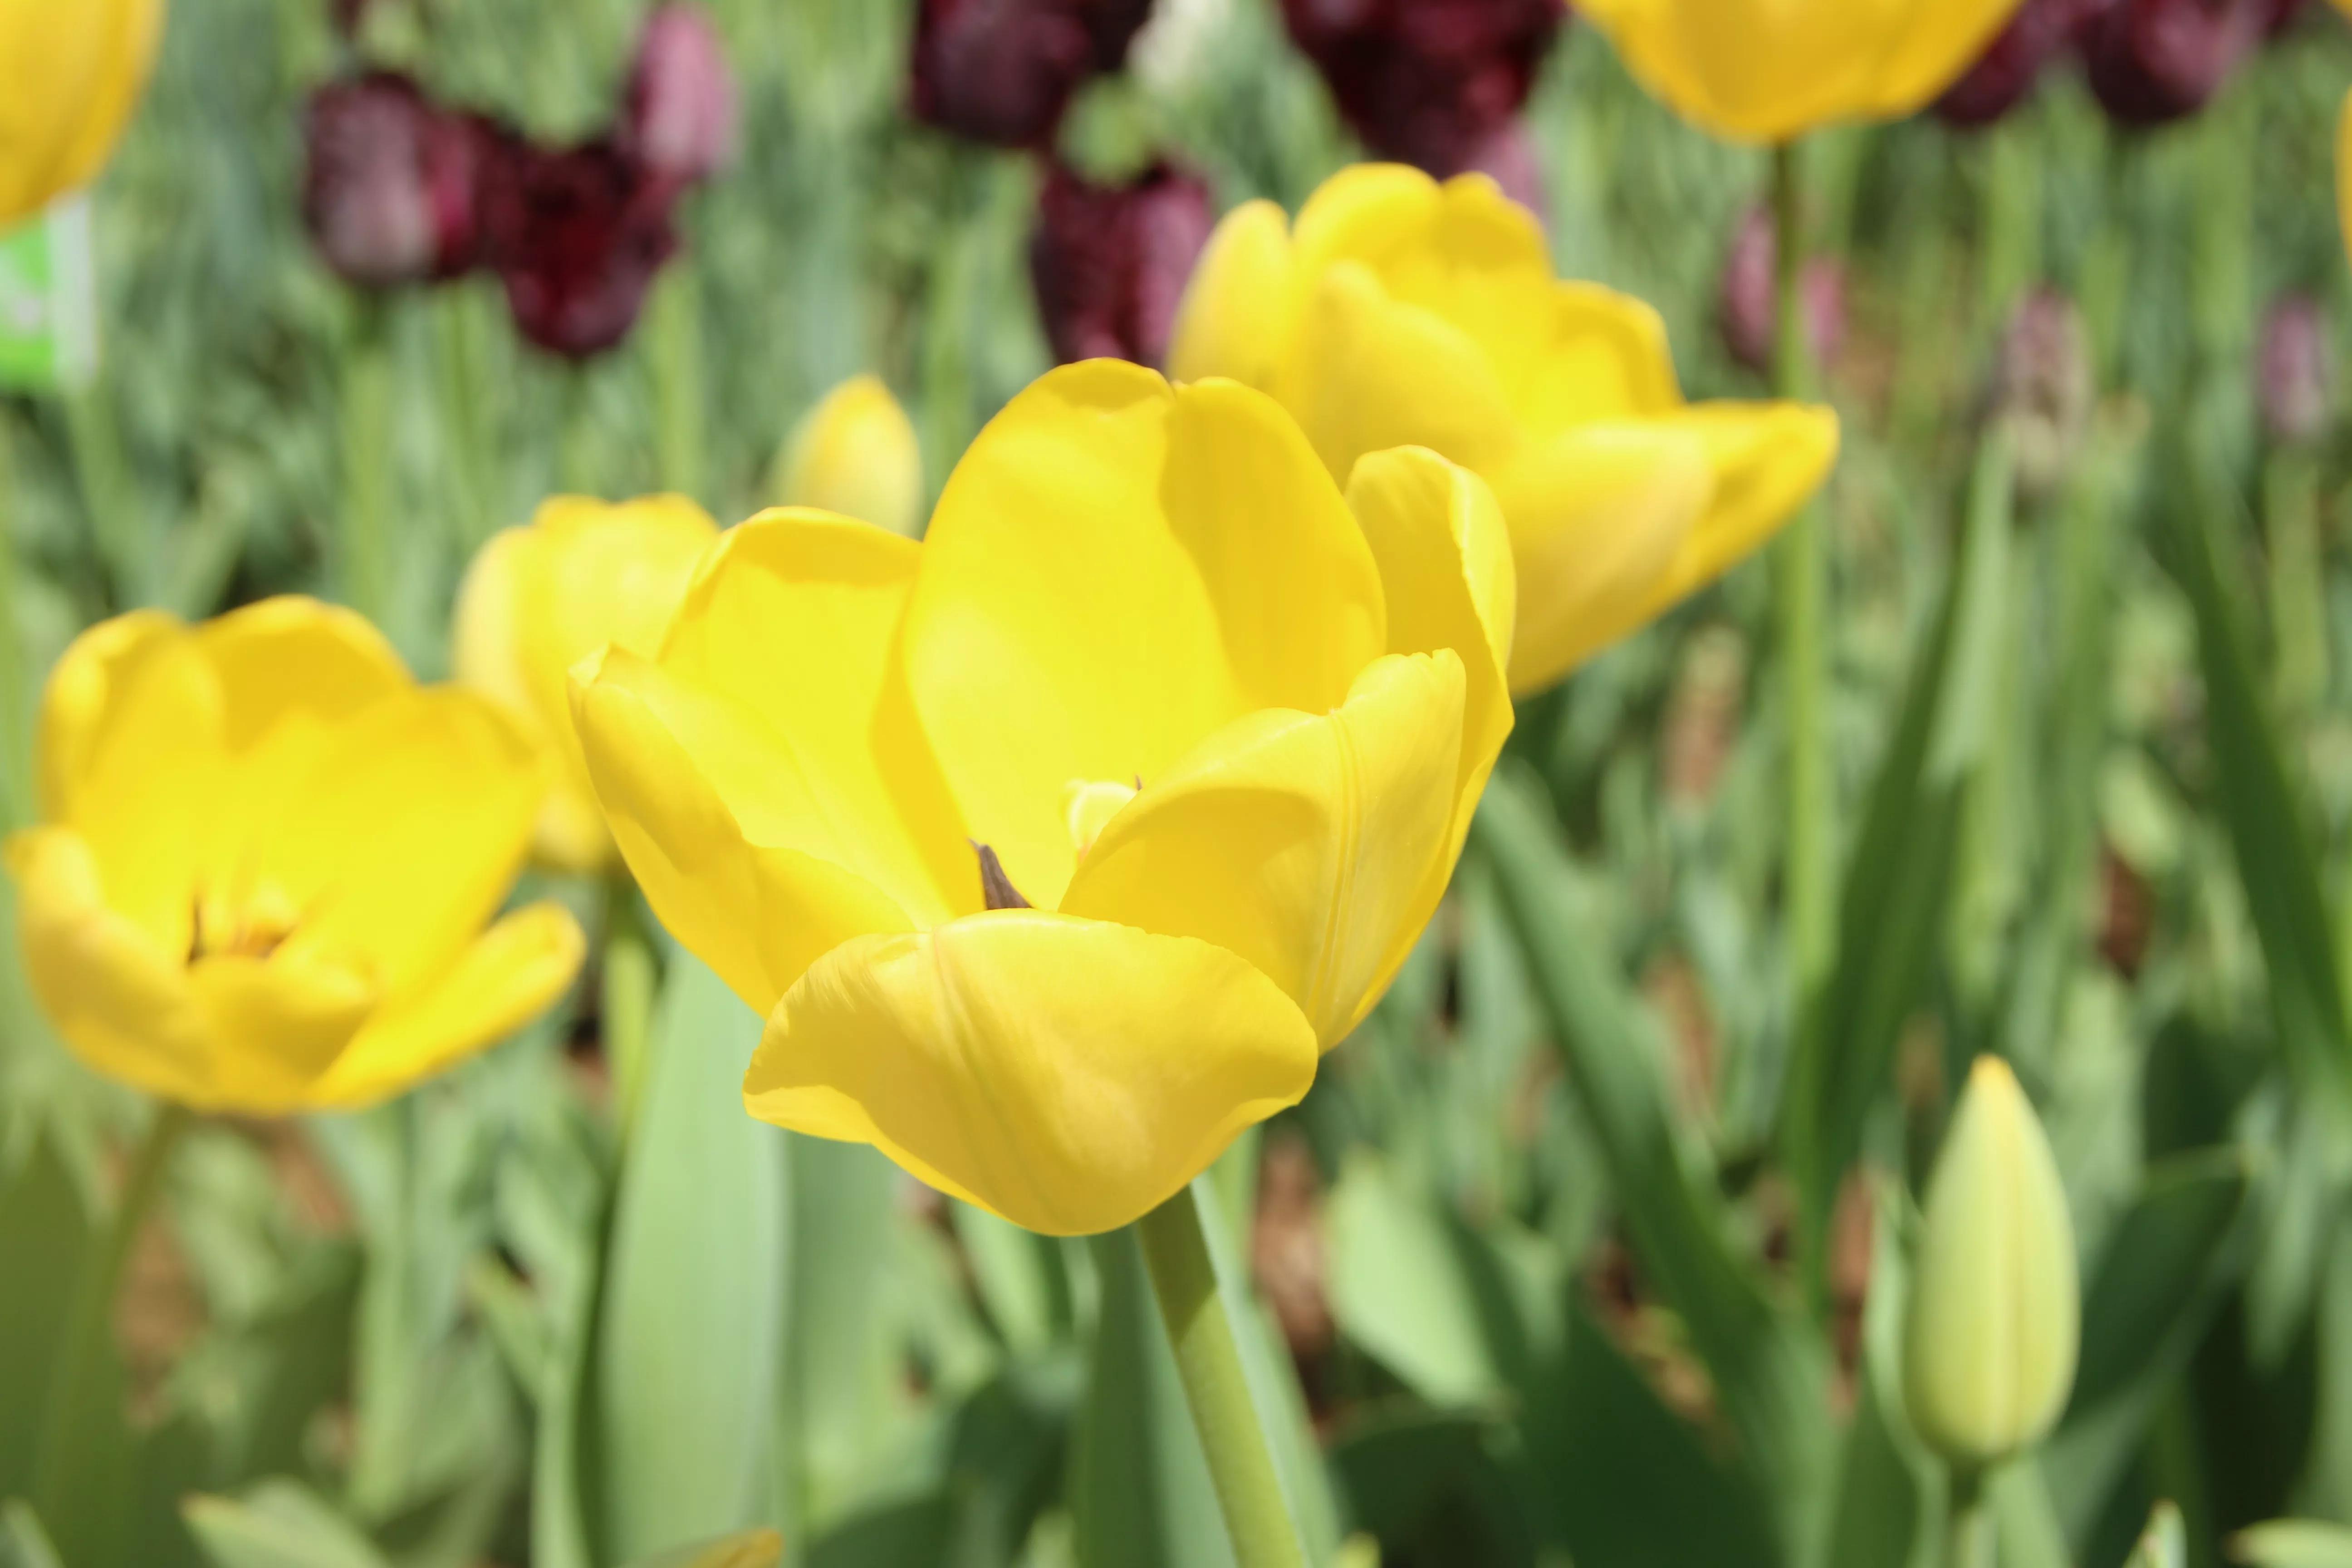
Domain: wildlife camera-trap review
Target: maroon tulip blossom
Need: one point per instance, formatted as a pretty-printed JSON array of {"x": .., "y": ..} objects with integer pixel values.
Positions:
[
  {"x": 1110, "y": 262},
  {"x": 1428, "y": 82},
  {"x": 2294, "y": 383},
  {"x": 2004, "y": 75},
  {"x": 1750, "y": 309},
  {"x": 577, "y": 235},
  {"x": 2150, "y": 61},
  {"x": 1003, "y": 71},
  {"x": 679, "y": 118},
  {"x": 392, "y": 185}
]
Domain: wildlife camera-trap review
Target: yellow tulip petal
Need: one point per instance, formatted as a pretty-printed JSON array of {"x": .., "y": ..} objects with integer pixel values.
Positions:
[
  {"x": 1597, "y": 515},
  {"x": 485, "y": 643},
  {"x": 855, "y": 454},
  {"x": 1769, "y": 459},
  {"x": 1445, "y": 555},
  {"x": 295, "y": 657},
  {"x": 1607, "y": 358},
  {"x": 1067, "y": 1074},
  {"x": 80, "y": 696},
  {"x": 278, "y": 1022},
  {"x": 119, "y": 1000},
  {"x": 68, "y": 77},
  {"x": 1304, "y": 844},
  {"x": 1372, "y": 372},
  {"x": 408, "y": 833},
  {"x": 1239, "y": 308},
  {"x": 508, "y": 976},
  {"x": 1939, "y": 40},
  {"x": 794, "y": 618},
  {"x": 1361, "y": 214},
  {"x": 686, "y": 777},
  {"x": 1481, "y": 264},
  {"x": 1117, "y": 569}
]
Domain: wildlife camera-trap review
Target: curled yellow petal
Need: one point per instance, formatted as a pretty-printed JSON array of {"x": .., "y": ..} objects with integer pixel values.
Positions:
[
  {"x": 855, "y": 454},
  {"x": 1768, "y": 460},
  {"x": 1067, "y": 1075}
]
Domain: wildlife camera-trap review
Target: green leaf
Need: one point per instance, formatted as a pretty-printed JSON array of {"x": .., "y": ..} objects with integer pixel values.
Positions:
[
  {"x": 1885, "y": 1478},
  {"x": 2164, "y": 1543},
  {"x": 44, "y": 1216},
  {"x": 2292, "y": 1543},
  {"x": 745, "y": 1549},
  {"x": 278, "y": 1524},
  {"x": 690, "y": 1327},
  {"x": 895, "y": 1535},
  {"x": 1019, "y": 1277},
  {"x": 1437, "y": 1488},
  {"x": 23, "y": 1542}
]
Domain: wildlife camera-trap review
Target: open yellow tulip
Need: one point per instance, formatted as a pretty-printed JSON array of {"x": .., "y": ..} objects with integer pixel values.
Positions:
[
  {"x": 267, "y": 859},
  {"x": 1054, "y": 847},
  {"x": 70, "y": 72},
  {"x": 537, "y": 600},
  {"x": 1768, "y": 71},
  {"x": 1399, "y": 311}
]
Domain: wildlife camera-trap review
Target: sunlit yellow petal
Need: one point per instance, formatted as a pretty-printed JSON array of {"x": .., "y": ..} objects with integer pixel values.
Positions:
[
  {"x": 68, "y": 77},
  {"x": 855, "y": 454},
  {"x": 1305, "y": 844},
  {"x": 714, "y": 819},
  {"x": 1768, "y": 460},
  {"x": 295, "y": 658},
  {"x": 80, "y": 693},
  {"x": 1362, "y": 213},
  {"x": 1117, "y": 569},
  {"x": 508, "y": 976},
  {"x": 1597, "y": 515},
  {"x": 1605, "y": 357},
  {"x": 278, "y": 1022},
  {"x": 1239, "y": 308},
  {"x": 1067, "y": 1075}
]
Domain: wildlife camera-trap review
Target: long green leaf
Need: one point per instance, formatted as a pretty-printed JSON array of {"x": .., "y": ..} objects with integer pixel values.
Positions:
[
  {"x": 745, "y": 1549},
  {"x": 2293, "y": 1544},
  {"x": 278, "y": 1524}
]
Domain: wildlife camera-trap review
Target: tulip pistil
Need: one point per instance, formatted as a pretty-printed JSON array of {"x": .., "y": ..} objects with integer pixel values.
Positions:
[
  {"x": 255, "y": 929},
  {"x": 995, "y": 887}
]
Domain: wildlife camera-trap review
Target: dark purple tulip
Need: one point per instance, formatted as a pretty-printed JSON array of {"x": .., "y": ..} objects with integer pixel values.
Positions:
[
  {"x": 679, "y": 116},
  {"x": 1110, "y": 262},
  {"x": 1427, "y": 82},
  {"x": 2005, "y": 73},
  {"x": 392, "y": 183},
  {"x": 2294, "y": 383},
  {"x": 577, "y": 235},
  {"x": 1003, "y": 71},
  {"x": 1750, "y": 309},
  {"x": 2150, "y": 61}
]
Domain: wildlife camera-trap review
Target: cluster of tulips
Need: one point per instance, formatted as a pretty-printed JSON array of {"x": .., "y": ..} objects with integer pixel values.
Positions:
[{"x": 1057, "y": 838}]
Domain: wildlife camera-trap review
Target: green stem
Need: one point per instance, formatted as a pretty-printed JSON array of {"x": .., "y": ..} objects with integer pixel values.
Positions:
[
  {"x": 367, "y": 465},
  {"x": 675, "y": 352},
  {"x": 1208, "y": 1360},
  {"x": 628, "y": 1001},
  {"x": 21, "y": 808},
  {"x": 1968, "y": 1524},
  {"x": 95, "y": 441},
  {"x": 80, "y": 1396},
  {"x": 2298, "y": 585}
]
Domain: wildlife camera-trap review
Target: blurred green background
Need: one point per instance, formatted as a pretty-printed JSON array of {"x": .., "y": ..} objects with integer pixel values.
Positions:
[{"x": 1523, "y": 1259}]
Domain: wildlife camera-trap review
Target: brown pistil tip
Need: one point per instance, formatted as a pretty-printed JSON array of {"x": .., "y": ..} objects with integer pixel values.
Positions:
[{"x": 995, "y": 887}]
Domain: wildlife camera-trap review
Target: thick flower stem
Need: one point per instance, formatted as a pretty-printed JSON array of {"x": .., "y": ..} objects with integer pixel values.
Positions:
[
  {"x": 1801, "y": 589},
  {"x": 1968, "y": 1522},
  {"x": 81, "y": 1398},
  {"x": 1208, "y": 1360},
  {"x": 366, "y": 532},
  {"x": 627, "y": 1004}
]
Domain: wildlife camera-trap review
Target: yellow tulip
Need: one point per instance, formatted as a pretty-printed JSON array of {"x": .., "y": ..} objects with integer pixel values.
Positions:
[
  {"x": 1995, "y": 1316},
  {"x": 855, "y": 454},
  {"x": 265, "y": 862},
  {"x": 70, "y": 72},
  {"x": 1768, "y": 71},
  {"x": 1054, "y": 848},
  {"x": 1399, "y": 311},
  {"x": 537, "y": 600}
]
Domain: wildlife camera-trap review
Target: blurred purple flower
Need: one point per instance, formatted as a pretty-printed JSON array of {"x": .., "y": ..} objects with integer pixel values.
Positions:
[
  {"x": 2044, "y": 389},
  {"x": 577, "y": 235},
  {"x": 2150, "y": 61},
  {"x": 1748, "y": 310},
  {"x": 392, "y": 182},
  {"x": 1428, "y": 82},
  {"x": 2295, "y": 381},
  {"x": 2005, "y": 73},
  {"x": 1110, "y": 262},
  {"x": 1003, "y": 71},
  {"x": 679, "y": 116}
]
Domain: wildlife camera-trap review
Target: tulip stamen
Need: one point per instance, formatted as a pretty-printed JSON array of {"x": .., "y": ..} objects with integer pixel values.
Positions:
[{"x": 995, "y": 887}]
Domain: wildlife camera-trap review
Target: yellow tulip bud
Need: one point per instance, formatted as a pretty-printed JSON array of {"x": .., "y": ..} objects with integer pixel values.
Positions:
[
  {"x": 266, "y": 862},
  {"x": 855, "y": 454},
  {"x": 1995, "y": 1314},
  {"x": 537, "y": 600},
  {"x": 69, "y": 74}
]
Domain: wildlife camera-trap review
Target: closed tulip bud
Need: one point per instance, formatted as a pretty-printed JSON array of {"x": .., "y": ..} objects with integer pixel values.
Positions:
[
  {"x": 1995, "y": 1317},
  {"x": 1427, "y": 82},
  {"x": 2044, "y": 389},
  {"x": 84, "y": 63},
  {"x": 2005, "y": 74},
  {"x": 1749, "y": 312},
  {"x": 2295, "y": 382},
  {"x": 1110, "y": 262},
  {"x": 537, "y": 600},
  {"x": 680, "y": 115},
  {"x": 1003, "y": 71},
  {"x": 577, "y": 235},
  {"x": 392, "y": 183},
  {"x": 2151, "y": 61},
  {"x": 854, "y": 453}
]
